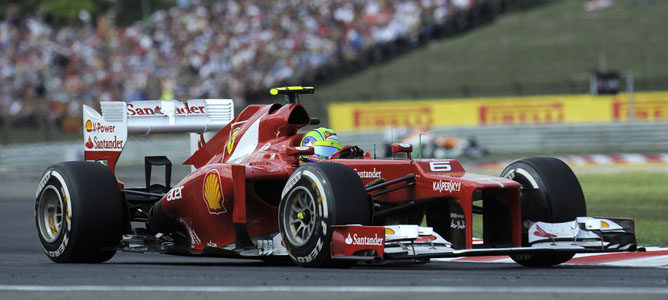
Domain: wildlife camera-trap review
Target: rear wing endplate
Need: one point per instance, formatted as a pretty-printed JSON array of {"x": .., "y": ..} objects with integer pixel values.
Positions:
[{"x": 105, "y": 134}]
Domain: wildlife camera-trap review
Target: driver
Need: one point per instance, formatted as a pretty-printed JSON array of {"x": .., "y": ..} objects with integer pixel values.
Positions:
[
  {"x": 324, "y": 141},
  {"x": 326, "y": 145}
]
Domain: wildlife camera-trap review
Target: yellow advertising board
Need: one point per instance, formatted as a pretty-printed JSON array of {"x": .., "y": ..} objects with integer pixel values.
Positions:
[{"x": 649, "y": 106}]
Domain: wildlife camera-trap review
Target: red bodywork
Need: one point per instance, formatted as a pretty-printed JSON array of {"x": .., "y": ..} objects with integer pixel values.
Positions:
[{"x": 241, "y": 172}]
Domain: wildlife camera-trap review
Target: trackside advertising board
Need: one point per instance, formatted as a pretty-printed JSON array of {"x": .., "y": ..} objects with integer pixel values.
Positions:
[{"x": 350, "y": 116}]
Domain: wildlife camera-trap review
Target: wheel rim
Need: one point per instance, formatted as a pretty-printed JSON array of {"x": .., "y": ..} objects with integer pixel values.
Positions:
[
  {"x": 300, "y": 217},
  {"x": 50, "y": 214}
]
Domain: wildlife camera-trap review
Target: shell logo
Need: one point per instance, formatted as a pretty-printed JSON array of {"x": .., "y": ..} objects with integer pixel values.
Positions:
[
  {"x": 213, "y": 193},
  {"x": 89, "y": 144},
  {"x": 230, "y": 142},
  {"x": 89, "y": 126}
]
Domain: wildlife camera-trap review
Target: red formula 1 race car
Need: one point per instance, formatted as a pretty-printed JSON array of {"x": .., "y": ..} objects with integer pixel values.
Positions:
[{"x": 251, "y": 195}]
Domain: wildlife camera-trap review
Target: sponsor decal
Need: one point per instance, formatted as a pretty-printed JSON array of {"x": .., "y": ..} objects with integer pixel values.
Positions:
[
  {"x": 369, "y": 174},
  {"x": 540, "y": 232},
  {"x": 311, "y": 256},
  {"x": 309, "y": 140},
  {"x": 42, "y": 183},
  {"x": 321, "y": 207},
  {"x": 446, "y": 186},
  {"x": 213, "y": 193},
  {"x": 547, "y": 109},
  {"x": 104, "y": 144},
  {"x": 99, "y": 127},
  {"x": 648, "y": 110},
  {"x": 440, "y": 166},
  {"x": 61, "y": 248},
  {"x": 457, "y": 221},
  {"x": 522, "y": 113},
  {"x": 181, "y": 109},
  {"x": 456, "y": 216},
  {"x": 458, "y": 224},
  {"x": 510, "y": 175},
  {"x": 424, "y": 239},
  {"x": 409, "y": 116},
  {"x": 68, "y": 212},
  {"x": 89, "y": 144},
  {"x": 291, "y": 182},
  {"x": 175, "y": 194},
  {"x": 230, "y": 142},
  {"x": 364, "y": 240},
  {"x": 327, "y": 134}
]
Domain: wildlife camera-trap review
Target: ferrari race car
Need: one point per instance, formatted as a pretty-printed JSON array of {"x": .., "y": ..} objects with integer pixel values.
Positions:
[{"x": 250, "y": 195}]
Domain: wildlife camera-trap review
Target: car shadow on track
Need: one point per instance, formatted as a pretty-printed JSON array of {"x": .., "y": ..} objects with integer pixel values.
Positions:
[{"x": 386, "y": 265}]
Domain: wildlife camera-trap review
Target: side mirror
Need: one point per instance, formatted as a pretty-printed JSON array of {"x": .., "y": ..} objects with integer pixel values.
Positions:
[{"x": 301, "y": 150}]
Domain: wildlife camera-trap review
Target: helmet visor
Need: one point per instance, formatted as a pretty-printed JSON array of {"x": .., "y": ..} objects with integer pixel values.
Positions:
[{"x": 324, "y": 151}]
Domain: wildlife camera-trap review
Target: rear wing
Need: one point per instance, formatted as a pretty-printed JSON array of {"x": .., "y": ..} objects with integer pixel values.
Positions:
[{"x": 105, "y": 134}]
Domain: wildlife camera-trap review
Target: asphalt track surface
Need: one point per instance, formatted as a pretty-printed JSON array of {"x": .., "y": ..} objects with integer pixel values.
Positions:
[{"x": 25, "y": 272}]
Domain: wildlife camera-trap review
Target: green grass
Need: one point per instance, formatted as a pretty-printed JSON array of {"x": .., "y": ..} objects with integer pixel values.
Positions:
[
  {"x": 547, "y": 49},
  {"x": 642, "y": 196}
]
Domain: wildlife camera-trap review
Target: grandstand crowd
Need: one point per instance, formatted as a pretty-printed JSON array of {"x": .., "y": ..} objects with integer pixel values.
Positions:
[{"x": 222, "y": 49}]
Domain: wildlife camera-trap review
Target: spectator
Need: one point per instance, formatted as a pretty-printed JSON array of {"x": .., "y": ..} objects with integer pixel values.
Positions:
[{"x": 192, "y": 50}]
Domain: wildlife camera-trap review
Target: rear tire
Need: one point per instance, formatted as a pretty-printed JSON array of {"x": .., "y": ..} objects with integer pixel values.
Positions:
[
  {"x": 558, "y": 198},
  {"x": 79, "y": 212},
  {"x": 317, "y": 196}
]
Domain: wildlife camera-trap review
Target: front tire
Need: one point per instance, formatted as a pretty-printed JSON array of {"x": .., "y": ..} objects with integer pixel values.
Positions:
[
  {"x": 79, "y": 212},
  {"x": 317, "y": 196},
  {"x": 554, "y": 196}
]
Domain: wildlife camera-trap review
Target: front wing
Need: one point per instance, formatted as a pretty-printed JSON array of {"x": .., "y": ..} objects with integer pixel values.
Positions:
[
  {"x": 585, "y": 234},
  {"x": 357, "y": 242}
]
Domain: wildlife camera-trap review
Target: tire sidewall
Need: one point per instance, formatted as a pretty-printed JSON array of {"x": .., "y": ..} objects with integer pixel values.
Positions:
[
  {"x": 94, "y": 212},
  {"x": 556, "y": 181},
  {"x": 540, "y": 172},
  {"x": 62, "y": 246},
  {"x": 316, "y": 249},
  {"x": 527, "y": 176}
]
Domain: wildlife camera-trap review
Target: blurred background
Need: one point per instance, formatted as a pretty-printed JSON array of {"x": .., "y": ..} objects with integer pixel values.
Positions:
[
  {"x": 457, "y": 78},
  {"x": 483, "y": 81}
]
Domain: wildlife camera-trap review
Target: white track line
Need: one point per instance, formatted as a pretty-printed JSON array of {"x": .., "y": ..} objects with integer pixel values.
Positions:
[{"x": 335, "y": 289}]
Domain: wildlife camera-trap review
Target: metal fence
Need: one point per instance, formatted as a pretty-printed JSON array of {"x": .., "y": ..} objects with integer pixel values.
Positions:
[
  {"x": 547, "y": 139},
  {"x": 552, "y": 138}
]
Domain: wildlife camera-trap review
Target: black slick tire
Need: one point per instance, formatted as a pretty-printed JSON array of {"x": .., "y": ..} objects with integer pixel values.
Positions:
[
  {"x": 556, "y": 196},
  {"x": 79, "y": 213},
  {"x": 330, "y": 194}
]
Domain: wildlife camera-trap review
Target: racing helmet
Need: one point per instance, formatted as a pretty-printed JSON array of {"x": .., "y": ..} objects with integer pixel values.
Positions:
[
  {"x": 318, "y": 135},
  {"x": 323, "y": 150},
  {"x": 324, "y": 141}
]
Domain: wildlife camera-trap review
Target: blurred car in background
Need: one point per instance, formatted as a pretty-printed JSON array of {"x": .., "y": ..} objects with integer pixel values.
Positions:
[{"x": 427, "y": 144}]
